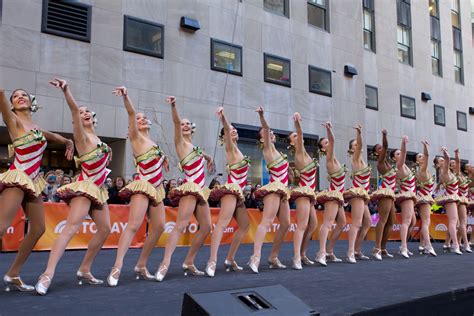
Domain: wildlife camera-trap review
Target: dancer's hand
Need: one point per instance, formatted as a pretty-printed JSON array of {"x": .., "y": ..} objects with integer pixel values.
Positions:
[
  {"x": 166, "y": 164},
  {"x": 425, "y": 143},
  {"x": 457, "y": 151},
  {"x": 220, "y": 112},
  {"x": 327, "y": 125},
  {"x": 405, "y": 139},
  {"x": 358, "y": 128},
  {"x": 120, "y": 91},
  {"x": 444, "y": 149},
  {"x": 297, "y": 117},
  {"x": 59, "y": 83},
  {"x": 384, "y": 132},
  {"x": 171, "y": 100},
  {"x": 69, "y": 154},
  {"x": 211, "y": 166},
  {"x": 259, "y": 110}
]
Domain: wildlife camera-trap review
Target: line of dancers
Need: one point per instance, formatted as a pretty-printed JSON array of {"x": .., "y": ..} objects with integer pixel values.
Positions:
[{"x": 22, "y": 186}]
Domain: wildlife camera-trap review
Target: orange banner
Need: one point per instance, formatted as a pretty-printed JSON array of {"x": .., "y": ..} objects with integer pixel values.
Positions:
[
  {"x": 15, "y": 233},
  {"x": 56, "y": 214}
]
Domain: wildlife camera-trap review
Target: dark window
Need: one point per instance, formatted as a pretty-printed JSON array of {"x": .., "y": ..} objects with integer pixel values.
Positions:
[
  {"x": 369, "y": 25},
  {"x": 404, "y": 32},
  {"x": 67, "y": 19},
  {"x": 143, "y": 37},
  {"x": 277, "y": 70},
  {"x": 226, "y": 57},
  {"x": 371, "y": 98},
  {"x": 436, "y": 65},
  {"x": 407, "y": 107},
  {"x": 439, "y": 115},
  {"x": 318, "y": 13},
  {"x": 457, "y": 42},
  {"x": 462, "y": 121},
  {"x": 320, "y": 81},
  {"x": 279, "y": 7},
  {"x": 458, "y": 68},
  {"x": 404, "y": 13}
]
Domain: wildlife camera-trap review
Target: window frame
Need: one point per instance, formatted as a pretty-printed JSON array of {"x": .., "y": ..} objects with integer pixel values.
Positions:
[
  {"x": 327, "y": 27},
  {"x": 286, "y": 5},
  {"x": 440, "y": 107},
  {"x": 401, "y": 107},
  {"x": 310, "y": 67},
  {"x": 457, "y": 120},
  {"x": 232, "y": 72},
  {"x": 371, "y": 11},
  {"x": 268, "y": 80},
  {"x": 408, "y": 27},
  {"x": 137, "y": 50},
  {"x": 377, "y": 95}
]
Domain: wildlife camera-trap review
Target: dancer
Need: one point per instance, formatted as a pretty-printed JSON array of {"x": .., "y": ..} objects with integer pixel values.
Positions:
[
  {"x": 191, "y": 196},
  {"x": 145, "y": 194},
  {"x": 425, "y": 188},
  {"x": 469, "y": 171},
  {"x": 332, "y": 199},
  {"x": 275, "y": 197},
  {"x": 463, "y": 203},
  {"x": 385, "y": 198},
  {"x": 304, "y": 195},
  {"x": 358, "y": 197},
  {"x": 450, "y": 197},
  {"x": 231, "y": 198},
  {"x": 406, "y": 199},
  {"x": 22, "y": 184},
  {"x": 86, "y": 196}
]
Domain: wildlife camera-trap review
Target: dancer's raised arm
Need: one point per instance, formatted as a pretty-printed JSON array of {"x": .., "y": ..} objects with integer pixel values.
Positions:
[
  {"x": 331, "y": 139},
  {"x": 457, "y": 160},
  {"x": 265, "y": 127},
  {"x": 8, "y": 116},
  {"x": 424, "y": 164},
  {"x": 178, "y": 136},
  {"x": 383, "y": 152},
  {"x": 299, "y": 144},
  {"x": 78, "y": 128},
  {"x": 358, "y": 149},
  {"x": 403, "y": 152},
  {"x": 56, "y": 138},
  {"x": 132, "y": 119},
  {"x": 445, "y": 166},
  {"x": 229, "y": 144}
]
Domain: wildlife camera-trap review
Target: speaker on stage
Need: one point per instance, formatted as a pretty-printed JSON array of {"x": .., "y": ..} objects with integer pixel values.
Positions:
[{"x": 265, "y": 300}]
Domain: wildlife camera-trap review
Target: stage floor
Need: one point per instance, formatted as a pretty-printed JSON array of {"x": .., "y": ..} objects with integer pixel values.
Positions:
[{"x": 337, "y": 289}]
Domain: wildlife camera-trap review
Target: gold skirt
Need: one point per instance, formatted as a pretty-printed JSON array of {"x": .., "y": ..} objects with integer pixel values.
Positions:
[
  {"x": 19, "y": 179},
  {"x": 356, "y": 193},
  {"x": 424, "y": 199},
  {"x": 463, "y": 200},
  {"x": 274, "y": 187},
  {"x": 155, "y": 195},
  {"x": 85, "y": 188},
  {"x": 327, "y": 196},
  {"x": 445, "y": 199},
  {"x": 229, "y": 188},
  {"x": 305, "y": 191},
  {"x": 382, "y": 194},
  {"x": 401, "y": 197},
  {"x": 189, "y": 188}
]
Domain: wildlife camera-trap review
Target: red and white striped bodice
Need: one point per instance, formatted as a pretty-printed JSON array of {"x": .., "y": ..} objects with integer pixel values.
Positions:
[
  {"x": 426, "y": 188},
  {"x": 389, "y": 179},
  {"x": 361, "y": 178},
  {"x": 94, "y": 164},
  {"x": 278, "y": 170},
  {"x": 193, "y": 167},
  {"x": 408, "y": 184},
  {"x": 464, "y": 187},
  {"x": 308, "y": 175},
  {"x": 28, "y": 151},
  {"x": 337, "y": 180},
  {"x": 238, "y": 172},
  {"x": 452, "y": 186},
  {"x": 150, "y": 166}
]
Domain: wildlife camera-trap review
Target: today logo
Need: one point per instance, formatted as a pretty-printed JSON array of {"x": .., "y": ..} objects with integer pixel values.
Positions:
[
  {"x": 89, "y": 227},
  {"x": 10, "y": 230},
  {"x": 441, "y": 228}
]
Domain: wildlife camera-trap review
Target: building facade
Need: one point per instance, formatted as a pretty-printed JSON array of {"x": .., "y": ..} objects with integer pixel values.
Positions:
[{"x": 402, "y": 65}]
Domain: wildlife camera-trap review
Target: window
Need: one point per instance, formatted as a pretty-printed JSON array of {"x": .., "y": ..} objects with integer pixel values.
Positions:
[
  {"x": 371, "y": 98},
  {"x": 455, "y": 16},
  {"x": 407, "y": 107},
  {"x": 436, "y": 67},
  {"x": 458, "y": 75},
  {"x": 67, "y": 19},
  {"x": 462, "y": 121},
  {"x": 369, "y": 25},
  {"x": 318, "y": 13},
  {"x": 279, "y": 7},
  {"x": 457, "y": 42},
  {"x": 439, "y": 115},
  {"x": 143, "y": 37},
  {"x": 320, "y": 81},
  {"x": 277, "y": 70},
  {"x": 226, "y": 57},
  {"x": 404, "y": 32}
]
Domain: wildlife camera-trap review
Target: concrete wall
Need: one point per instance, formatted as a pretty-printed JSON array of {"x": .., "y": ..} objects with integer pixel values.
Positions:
[{"x": 29, "y": 58}]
